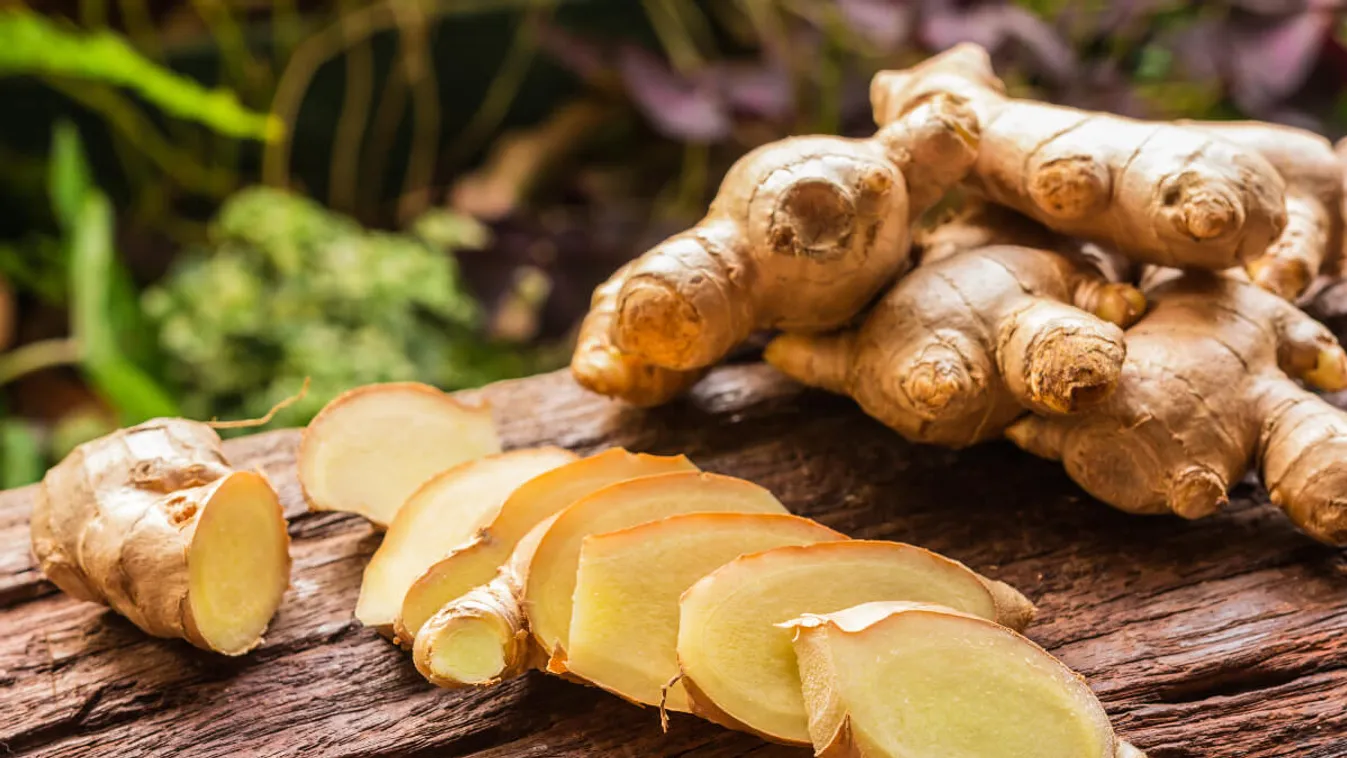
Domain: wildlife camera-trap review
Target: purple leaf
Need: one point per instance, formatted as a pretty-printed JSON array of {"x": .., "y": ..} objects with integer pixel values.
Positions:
[
  {"x": 582, "y": 57},
  {"x": 762, "y": 91},
  {"x": 1269, "y": 61},
  {"x": 884, "y": 23},
  {"x": 994, "y": 25},
  {"x": 677, "y": 106}
]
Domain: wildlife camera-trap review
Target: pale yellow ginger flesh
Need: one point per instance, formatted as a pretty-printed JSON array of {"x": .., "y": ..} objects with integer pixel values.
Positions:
[
  {"x": 1208, "y": 391},
  {"x": 1164, "y": 193},
  {"x": 476, "y": 562},
  {"x": 444, "y": 513},
  {"x": 534, "y": 590},
  {"x": 801, "y": 235},
  {"x": 958, "y": 348},
  {"x": 738, "y": 666},
  {"x": 549, "y": 586},
  {"x": 371, "y": 447},
  {"x": 624, "y": 624},
  {"x": 907, "y": 680},
  {"x": 153, "y": 522}
]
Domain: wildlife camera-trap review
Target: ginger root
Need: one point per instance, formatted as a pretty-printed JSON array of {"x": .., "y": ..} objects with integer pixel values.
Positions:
[
  {"x": 534, "y": 592},
  {"x": 907, "y": 680},
  {"x": 1162, "y": 193},
  {"x": 962, "y": 345},
  {"x": 801, "y": 235},
  {"x": 370, "y": 448},
  {"x": 476, "y": 562},
  {"x": 1207, "y": 388},
  {"x": 738, "y": 667},
  {"x": 600, "y": 367},
  {"x": 152, "y": 522},
  {"x": 1312, "y": 240},
  {"x": 443, "y": 514}
]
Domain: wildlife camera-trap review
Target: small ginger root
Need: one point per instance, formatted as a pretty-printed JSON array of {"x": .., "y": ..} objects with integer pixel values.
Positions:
[
  {"x": 738, "y": 667},
  {"x": 371, "y": 447},
  {"x": 152, "y": 522},
  {"x": 600, "y": 367},
  {"x": 534, "y": 592},
  {"x": 1208, "y": 389},
  {"x": 960, "y": 347},
  {"x": 908, "y": 680},
  {"x": 443, "y": 514},
  {"x": 801, "y": 235},
  {"x": 1312, "y": 240},
  {"x": 624, "y": 623},
  {"x": 1162, "y": 193},
  {"x": 476, "y": 562}
]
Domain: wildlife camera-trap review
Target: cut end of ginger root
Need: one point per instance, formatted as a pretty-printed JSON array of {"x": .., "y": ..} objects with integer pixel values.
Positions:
[
  {"x": 444, "y": 513},
  {"x": 534, "y": 501},
  {"x": 152, "y": 522},
  {"x": 910, "y": 680},
  {"x": 371, "y": 447},
  {"x": 624, "y": 623},
  {"x": 739, "y": 668}
]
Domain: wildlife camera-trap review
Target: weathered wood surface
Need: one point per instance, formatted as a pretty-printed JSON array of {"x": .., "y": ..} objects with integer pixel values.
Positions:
[{"x": 1225, "y": 638}]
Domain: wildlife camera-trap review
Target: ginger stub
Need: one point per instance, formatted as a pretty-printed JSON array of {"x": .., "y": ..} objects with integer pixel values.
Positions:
[{"x": 152, "y": 522}]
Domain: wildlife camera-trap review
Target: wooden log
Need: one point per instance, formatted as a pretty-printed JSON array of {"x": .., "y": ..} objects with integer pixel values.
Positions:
[{"x": 1226, "y": 637}]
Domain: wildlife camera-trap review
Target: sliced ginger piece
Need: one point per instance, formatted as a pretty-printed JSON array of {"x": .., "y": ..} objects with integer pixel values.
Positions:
[
  {"x": 371, "y": 447},
  {"x": 533, "y": 591},
  {"x": 624, "y": 623},
  {"x": 444, "y": 513},
  {"x": 152, "y": 522},
  {"x": 738, "y": 667},
  {"x": 908, "y": 680},
  {"x": 476, "y": 562}
]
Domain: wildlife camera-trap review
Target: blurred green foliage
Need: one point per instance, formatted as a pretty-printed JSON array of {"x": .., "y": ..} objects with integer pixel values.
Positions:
[
  {"x": 33, "y": 44},
  {"x": 287, "y": 290}
]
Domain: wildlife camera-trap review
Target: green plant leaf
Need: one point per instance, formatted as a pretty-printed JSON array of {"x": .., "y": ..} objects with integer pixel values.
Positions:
[
  {"x": 31, "y": 44},
  {"x": 69, "y": 179},
  {"x": 134, "y": 393},
  {"x": 20, "y": 454}
]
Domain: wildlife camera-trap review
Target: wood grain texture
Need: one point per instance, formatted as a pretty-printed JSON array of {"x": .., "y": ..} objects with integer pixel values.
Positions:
[{"x": 1224, "y": 638}]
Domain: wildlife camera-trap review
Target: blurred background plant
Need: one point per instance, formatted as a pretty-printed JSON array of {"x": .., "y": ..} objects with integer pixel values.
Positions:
[{"x": 360, "y": 191}]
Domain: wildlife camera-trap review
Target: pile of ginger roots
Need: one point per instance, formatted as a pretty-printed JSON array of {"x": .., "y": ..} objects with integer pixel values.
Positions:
[{"x": 1116, "y": 294}]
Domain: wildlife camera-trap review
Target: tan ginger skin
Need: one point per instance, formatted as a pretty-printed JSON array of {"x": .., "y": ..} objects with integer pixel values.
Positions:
[
  {"x": 1209, "y": 389},
  {"x": 962, "y": 345},
  {"x": 599, "y": 366},
  {"x": 119, "y": 522},
  {"x": 802, "y": 234},
  {"x": 1312, "y": 240},
  {"x": 1162, "y": 193}
]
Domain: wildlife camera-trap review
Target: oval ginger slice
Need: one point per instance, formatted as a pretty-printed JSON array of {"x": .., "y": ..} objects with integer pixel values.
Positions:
[
  {"x": 738, "y": 667},
  {"x": 624, "y": 623}
]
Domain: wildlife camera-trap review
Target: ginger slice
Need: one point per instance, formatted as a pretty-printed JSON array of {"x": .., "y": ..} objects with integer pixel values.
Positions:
[
  {"x": 624, "y": 623},
  {"x": 534, "y": 590},
  {"x": 371, "y": 447},
  {"x": 908, "y": 680},
  {"x": 738, "y": 667},
  {"x": 476, "y": 562},
  {"x": 443, "y": 514},
  {"x": 153, "y": 522}
]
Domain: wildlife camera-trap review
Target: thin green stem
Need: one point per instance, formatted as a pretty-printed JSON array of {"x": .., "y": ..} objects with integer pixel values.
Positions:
[{"x": 36, "y": 356}]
